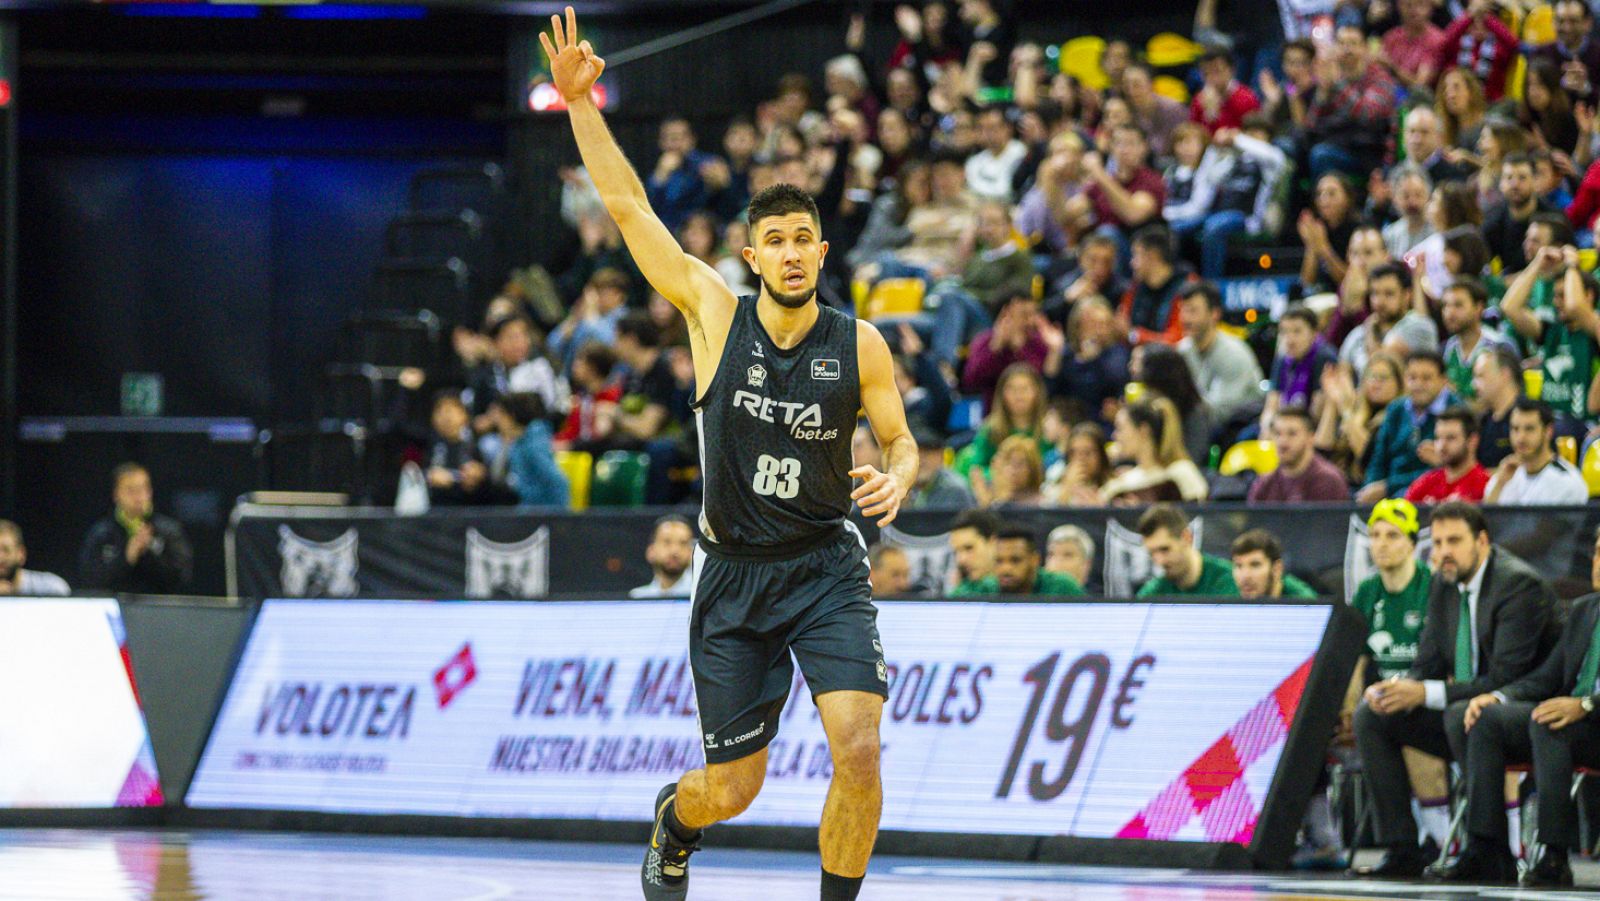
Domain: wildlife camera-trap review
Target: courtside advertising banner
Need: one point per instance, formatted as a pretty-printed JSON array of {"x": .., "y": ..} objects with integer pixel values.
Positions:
[
  {"x": 1104, "y": 720},
  {"x": 71, "y": 731}
]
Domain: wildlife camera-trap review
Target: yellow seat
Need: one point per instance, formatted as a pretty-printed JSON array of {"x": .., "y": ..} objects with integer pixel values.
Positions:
[
  {"x": 1168, "y": 50},
  {"x": 1540, "y": 25},
  {"x": 1586, "y": 259},
  {"x": 1591, "y": 469},
  {"x": 895, "y": 297},
  {"x": 1171, "y": 88},
  {"x": 578, "y": 467},
  {"x": 1567, "y": 447},
  {"x": 1080, "y": 58},
  {"x": 1533, "y": 383},
  {"x": 1259, "y": 456}
]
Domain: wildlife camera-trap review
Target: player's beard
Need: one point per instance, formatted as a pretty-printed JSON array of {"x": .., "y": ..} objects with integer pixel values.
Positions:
[{"x": 790, "y": 301}]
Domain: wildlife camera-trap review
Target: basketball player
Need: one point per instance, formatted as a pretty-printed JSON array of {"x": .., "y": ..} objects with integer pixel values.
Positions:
[{"x": 781, "y": 381}]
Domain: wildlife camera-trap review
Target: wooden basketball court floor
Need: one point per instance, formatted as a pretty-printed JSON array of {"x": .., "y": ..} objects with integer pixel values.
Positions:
[{"x": 69, "y": 865}]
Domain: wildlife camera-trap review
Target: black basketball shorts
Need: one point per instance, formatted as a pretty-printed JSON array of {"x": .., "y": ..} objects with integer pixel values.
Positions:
[{"x": 748, "y": 613}]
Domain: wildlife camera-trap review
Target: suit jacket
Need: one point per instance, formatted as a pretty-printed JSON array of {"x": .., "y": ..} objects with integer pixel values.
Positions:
[
  {"x": 1516, "y": 627},
  {"x": 1558, "y": 675}
]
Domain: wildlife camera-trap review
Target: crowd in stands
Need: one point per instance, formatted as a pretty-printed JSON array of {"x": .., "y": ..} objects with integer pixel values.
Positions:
[{"x": 1047, "y": 250}]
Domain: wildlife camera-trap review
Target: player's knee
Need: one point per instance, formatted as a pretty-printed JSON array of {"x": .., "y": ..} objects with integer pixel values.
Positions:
[
  {"x": 855, "y": 757},
  {"x": 734, "y": 789}
]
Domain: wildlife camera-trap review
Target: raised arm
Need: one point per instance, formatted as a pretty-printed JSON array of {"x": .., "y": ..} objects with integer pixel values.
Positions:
[
  {"x": 685, "y": 281},
  {"x": 1514, "y": 306},
  {"x": 880, "y": 493}
]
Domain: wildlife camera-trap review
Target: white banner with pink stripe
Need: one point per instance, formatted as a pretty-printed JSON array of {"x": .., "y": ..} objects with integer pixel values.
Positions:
[{"x": 1103, "y": 720}]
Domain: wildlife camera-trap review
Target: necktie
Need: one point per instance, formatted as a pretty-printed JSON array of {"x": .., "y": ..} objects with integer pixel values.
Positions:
[
  {"x": 1464, "y": 640},
  {"x": 1591, "y": 666}
]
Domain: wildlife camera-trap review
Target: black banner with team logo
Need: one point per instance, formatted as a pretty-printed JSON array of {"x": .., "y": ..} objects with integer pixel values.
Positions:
[{"x": 505, "y": 553}]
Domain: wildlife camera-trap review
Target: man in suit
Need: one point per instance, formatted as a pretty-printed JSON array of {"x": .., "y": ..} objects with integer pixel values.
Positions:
[
  {"x": 1546, "y": 718},
  {"x": 1486, "y": 626}
]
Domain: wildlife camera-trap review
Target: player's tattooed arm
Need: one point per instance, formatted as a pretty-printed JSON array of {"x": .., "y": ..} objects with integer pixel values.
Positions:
[
  {"x": 880, "y": 493},
  {"x": 685, "y": 281}
]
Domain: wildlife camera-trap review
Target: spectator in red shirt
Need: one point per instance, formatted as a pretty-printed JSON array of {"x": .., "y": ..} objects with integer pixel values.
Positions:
[
  {"x": 1459, "y": 476},
  {"x": 1412, "y": 47},
  {"x": 1126, "y": 196},
  {"x": 1223, "y": 102},
  {"x": 1302, "y": 474},
  {"x": 1348, "y": 123},
  {"x": 1482, "y": 44},
  {"x": 1015, "y": 338},
  {"x": 596, "y": 400}
]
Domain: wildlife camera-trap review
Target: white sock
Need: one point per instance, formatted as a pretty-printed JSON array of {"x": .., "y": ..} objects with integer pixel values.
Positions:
[
  {"x": 1434, "y": 820},
  {"x": 1319, "y": 822},
  {"x": 1514, "y": 824}
]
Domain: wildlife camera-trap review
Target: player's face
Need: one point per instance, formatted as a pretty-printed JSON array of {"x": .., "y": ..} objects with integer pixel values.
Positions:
[
  {"x": 974, "y": 554},
  {"x": 1457, "y": 552},
  {"x": 891, "y": 575},
  {"x": 1169, "y": 553},
  {"x": 132, "y": 494},
  {"x": 1255, "y": 575},
  {"x": 787, "y": 255},
  {"x": 671, "y": 550},
  {"x": 1067, "y": 557},
  {"x": 1594, "y": 567},
  {"x": 1390, "y": 546},
  {"x": 12, "y": 555},
  {"x": 1015, "y": 563},
  {"x": 1529, "y": 437}
]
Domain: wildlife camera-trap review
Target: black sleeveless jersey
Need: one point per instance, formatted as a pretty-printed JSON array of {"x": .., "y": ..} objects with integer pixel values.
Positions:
[{"x": 775, "y": 429}]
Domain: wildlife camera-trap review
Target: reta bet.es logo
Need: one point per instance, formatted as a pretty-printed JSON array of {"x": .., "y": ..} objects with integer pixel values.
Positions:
[{"x": 804, "y": 420}]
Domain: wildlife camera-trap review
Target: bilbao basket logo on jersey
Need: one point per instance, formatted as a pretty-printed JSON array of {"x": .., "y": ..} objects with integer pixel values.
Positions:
[
  {"x": 804, "y": 421},
  {"x": 318, "y": 569},
  {"x": 520, "y": 569},
  {"x": 1128, "y": 564},
  {"x": 757, "y": 375}
]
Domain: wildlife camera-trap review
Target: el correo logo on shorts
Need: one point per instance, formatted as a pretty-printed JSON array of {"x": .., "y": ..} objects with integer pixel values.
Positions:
[{"x": 826, "y": 370}]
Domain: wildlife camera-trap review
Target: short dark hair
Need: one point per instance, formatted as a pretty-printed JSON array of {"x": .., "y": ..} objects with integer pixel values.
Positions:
[
  {"x": 1560, "y": 229},
  {"x": 882, "y": 549},
  {"x": 1097, "y": 239},
  {"x": 1526, "y": 404},
  {"x": 522, "y": 406},
  {"x": 1204, "y": 288},
  {"x": 505, "y": 322},
  {"x": 1303, "y": 45},
  {"x": 1157, "y": 238},
  {"x": 1162, "y": 516},
  {"x": 1018, "y": 533},
  {"x": 1459, "y": 413},
  {"x": 1216, "y": 51},
  {"x": 1258, "y": 540},
  {"x": 983, "y": 522},
  {"x": 640, "y": 327},
  {"x": 1391, "y": 270},
  {"x": 1300, "y": 413},
  {"x": 1426, "y": 356},
  {"x": 1462, "y": 511},
  {"x": 1302, "y": 313},
  {"x": 1474, "y": 289},
  {"x": 780, "y": 200},
  {"x": 1506, "y": 359},
  {"x": 599, "y": 356},
  {"x": 124, "y": 470},
  {"x": 668, "y": 520},
  {"x": 1517, "y": 159}
]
